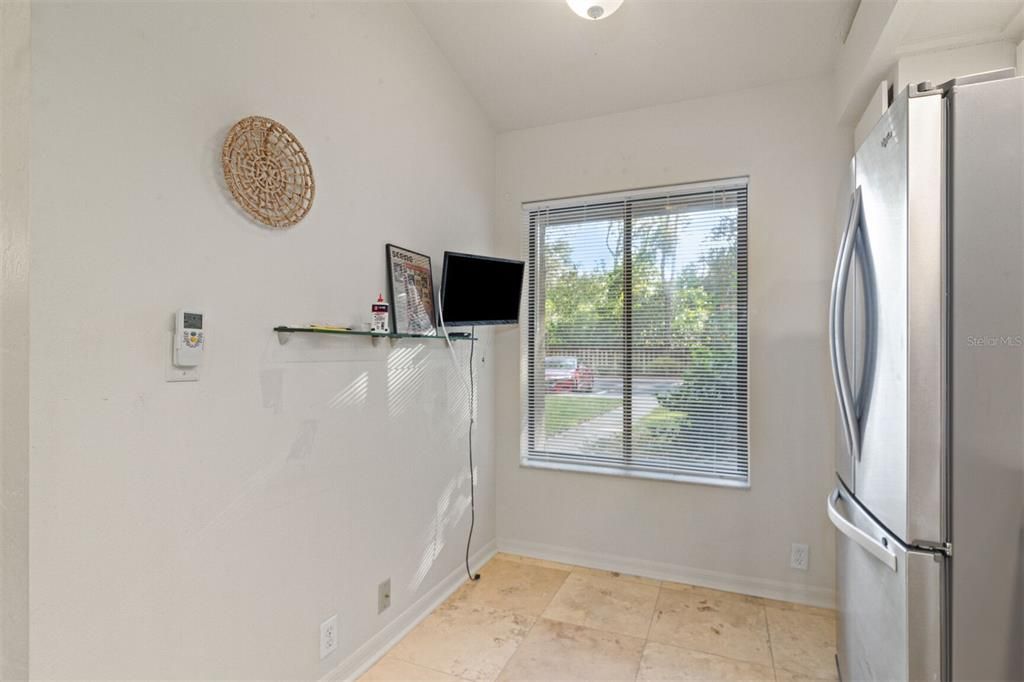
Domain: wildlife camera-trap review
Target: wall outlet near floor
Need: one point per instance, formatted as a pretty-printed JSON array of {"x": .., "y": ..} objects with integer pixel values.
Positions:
[
  {"x": 383, "y": 595},
  {"x": 328, "y": 636},
  {"x": 798, "y": 556}
]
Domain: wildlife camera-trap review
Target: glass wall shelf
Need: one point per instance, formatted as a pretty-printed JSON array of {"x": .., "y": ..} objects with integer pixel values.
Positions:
[{"x": 284, "y": 332}]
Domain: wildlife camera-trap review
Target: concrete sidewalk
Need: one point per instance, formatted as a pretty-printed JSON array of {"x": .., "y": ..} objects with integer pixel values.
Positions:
[{"x": 586, "y": 436}]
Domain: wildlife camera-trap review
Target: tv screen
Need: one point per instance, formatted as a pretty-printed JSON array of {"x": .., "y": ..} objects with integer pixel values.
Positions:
[{"x": 477, "y": 290}]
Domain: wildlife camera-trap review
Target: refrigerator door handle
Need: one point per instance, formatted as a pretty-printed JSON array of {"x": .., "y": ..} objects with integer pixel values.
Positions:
[
  {"x": 837, "y": 327},
  {"x": 832, "y": 340},
  {"x": 872, "y": 546}
]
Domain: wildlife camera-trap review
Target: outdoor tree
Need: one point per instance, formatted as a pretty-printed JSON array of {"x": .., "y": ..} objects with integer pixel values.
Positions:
[{"x": 685, "y": 322}]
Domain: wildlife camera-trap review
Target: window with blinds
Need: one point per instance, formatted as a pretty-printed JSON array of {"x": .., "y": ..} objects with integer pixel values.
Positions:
[{"x": 635, "y": 341}]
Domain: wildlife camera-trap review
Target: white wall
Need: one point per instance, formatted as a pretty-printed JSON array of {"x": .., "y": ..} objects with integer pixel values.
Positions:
[
  {"x": 936, "y": 66},
  {"x": 940, "y": 66},
  {"x": 784, "y": 138},
  {"x": 205, "y": 530},
  {"x": 877, "y": 105},
  {"x": 14, "y": 340}
]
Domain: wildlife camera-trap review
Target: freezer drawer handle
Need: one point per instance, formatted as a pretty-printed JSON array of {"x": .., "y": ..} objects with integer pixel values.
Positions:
[
  {"x": 837, "y": 327},
  {"x": 871, "y": 545}
]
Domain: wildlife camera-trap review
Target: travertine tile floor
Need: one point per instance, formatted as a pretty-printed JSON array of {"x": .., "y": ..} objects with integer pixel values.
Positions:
[{"x": 528, "y": 619}]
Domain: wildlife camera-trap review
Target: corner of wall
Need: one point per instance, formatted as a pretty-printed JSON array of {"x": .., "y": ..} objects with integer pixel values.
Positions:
[
  {"x": 363, "y": 658},
  {"x": 941, "y": 65}
]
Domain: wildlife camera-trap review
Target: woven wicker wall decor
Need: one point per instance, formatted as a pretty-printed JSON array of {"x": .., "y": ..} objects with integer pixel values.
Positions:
[{"x": 268, "y": 172}]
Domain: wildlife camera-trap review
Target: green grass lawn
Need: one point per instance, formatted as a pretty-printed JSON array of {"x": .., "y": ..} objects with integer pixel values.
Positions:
[
  {"x": 660, "y": 421},
  {"x": 562, "y": 412}
]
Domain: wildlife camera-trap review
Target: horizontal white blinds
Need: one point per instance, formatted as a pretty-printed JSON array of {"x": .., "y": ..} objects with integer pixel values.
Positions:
[{"x": 636, "y": 335}]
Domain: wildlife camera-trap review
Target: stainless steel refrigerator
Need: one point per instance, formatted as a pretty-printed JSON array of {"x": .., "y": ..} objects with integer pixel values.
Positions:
[{"x": 926, "y": 329}]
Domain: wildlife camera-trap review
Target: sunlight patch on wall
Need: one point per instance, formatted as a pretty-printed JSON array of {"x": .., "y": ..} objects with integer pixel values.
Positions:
[
  {"x": 353, "y": 394},
  {"x": 406, "y": 368},
  {"x": 451, "y": 507}
]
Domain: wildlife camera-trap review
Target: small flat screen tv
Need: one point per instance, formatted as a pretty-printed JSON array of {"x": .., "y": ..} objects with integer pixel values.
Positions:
[{"x": 479, "y": 290}]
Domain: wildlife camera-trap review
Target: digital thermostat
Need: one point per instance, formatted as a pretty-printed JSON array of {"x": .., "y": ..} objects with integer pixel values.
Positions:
[{"x": 189, "y": 338}]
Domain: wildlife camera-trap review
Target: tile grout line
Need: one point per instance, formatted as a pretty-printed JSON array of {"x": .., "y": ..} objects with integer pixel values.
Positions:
[
  {"x": 720, "y": 655},
  {"x": 390, "y": 652},
  {"x": 775, "y": 666},
  {"x": 771, "y": 649},
  {"x": 654, "y": 612},
  {"x": 573, "y": 569},
  {"x": 449, "y": 600},
  {"x": 713, "y": 654},
  {"x": 568, "y": 570},
  {"x": 616, "y": 579},
  {"x": 420, "y": 665},
  {"x": 535, "y": 621},
  {"x": 647, "y": 639},
  {"x": 584, "y": 572},
  {"x": 647, "y": 635}
]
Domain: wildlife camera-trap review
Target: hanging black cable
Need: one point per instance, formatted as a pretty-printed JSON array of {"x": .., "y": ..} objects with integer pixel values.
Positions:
[{"x": 472, "y": 478}]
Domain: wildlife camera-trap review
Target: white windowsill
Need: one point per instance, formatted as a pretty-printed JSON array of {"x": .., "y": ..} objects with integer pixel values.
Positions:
[{"x": 527, "y": 463}]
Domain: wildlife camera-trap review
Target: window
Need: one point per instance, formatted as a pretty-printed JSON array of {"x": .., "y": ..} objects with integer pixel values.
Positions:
[{"x": 635, "y": 341}]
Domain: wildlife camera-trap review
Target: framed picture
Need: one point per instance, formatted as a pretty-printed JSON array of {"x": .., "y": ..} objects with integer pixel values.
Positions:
[{"x": 411, "y": 286}]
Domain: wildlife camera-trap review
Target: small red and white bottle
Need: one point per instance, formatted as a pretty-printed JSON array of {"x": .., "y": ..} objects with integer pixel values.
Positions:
[{"x": 380, "y": 318}]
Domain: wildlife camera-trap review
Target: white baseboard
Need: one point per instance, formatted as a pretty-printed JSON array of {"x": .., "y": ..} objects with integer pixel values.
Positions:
[
  {"x": 757, "y": 587},
  {"x": 360, "y": 660}
]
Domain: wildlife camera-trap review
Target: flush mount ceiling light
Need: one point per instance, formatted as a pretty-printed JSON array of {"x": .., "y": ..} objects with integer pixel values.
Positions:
[{"x": 594, "y": 9}]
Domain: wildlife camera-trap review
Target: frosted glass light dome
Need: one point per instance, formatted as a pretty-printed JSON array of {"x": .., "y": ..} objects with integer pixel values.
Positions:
[{"x": 594, "y": 9}]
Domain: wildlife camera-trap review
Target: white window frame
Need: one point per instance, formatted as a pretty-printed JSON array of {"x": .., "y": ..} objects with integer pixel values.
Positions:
[{"x": 529, "y": 324}]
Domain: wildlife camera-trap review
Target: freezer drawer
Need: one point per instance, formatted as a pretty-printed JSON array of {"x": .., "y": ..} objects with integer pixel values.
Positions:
[{"x": 890, "y": 600}]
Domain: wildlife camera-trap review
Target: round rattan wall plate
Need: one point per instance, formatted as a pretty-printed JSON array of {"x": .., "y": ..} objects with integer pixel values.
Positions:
[{"x": 268, "y": 172}]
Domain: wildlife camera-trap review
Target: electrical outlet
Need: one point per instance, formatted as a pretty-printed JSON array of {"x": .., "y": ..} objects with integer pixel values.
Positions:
[
  {"x": 328, "y": 636},
  {"x": 798, "y": 556},
  {"x": 383, "y": 595}
]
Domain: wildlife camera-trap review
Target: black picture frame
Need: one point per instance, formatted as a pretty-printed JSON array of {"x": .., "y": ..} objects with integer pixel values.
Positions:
[{"x": 411, "y": 290}]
